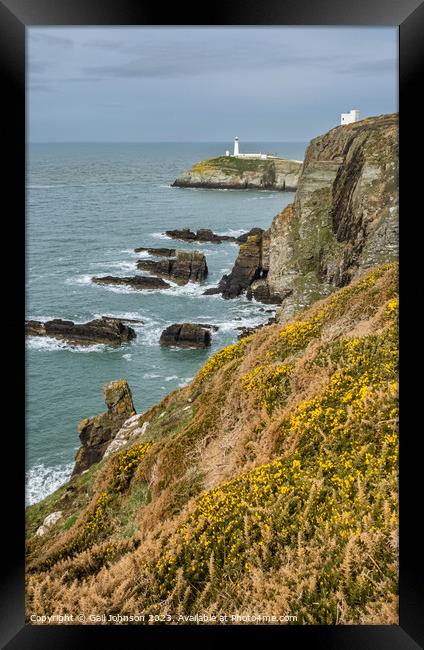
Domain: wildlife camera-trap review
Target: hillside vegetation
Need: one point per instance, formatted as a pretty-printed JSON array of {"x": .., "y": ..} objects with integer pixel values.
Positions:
[{"x": 269, "y": 484}]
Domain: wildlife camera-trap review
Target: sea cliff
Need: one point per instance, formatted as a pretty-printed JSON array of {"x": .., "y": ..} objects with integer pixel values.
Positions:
[
  {"x": 344, "y": 220},
  {"x": 229, "y": 172},
  {"x": 269, "y": 483}
]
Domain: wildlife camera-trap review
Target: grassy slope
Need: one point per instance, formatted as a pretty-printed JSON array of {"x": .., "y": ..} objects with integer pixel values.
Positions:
[
  {"x": 268, "y": 484},
  {"x": 230, "y": 165}
]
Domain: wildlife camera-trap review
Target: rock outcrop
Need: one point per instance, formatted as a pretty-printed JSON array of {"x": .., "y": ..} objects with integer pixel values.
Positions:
[
  {"x": 229, "y": 172},
  {"x": 185, "y": 267},
  {"x": 156, "y": 252},
  {"x": 135, "y": 282},
  {"x": 250, "y": 271},
  {"x": 97, "y": 432},
  {"x": 110, "y": 331},
  {"x": 186, "y": 335},
  {"x": 130, "y": 429},
  {"x": 345, "y": 215},
  {"x": 202, "y": 235},
  {"x": 48, "y": 523}
]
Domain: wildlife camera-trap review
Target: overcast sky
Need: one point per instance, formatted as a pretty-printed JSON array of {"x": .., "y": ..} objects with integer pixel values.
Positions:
[{"x": 205, "y": 84}]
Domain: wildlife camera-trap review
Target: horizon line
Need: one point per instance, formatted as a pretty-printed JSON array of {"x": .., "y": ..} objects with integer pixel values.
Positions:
[{"x": 160, "y": 141}]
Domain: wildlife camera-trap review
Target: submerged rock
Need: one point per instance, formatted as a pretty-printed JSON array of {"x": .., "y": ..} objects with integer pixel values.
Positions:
[
  {"x": 110, "y": 331},
  {"x": 185, "y": 267},
  {"x": 135, "y": 282},
  {"x": 186, "y": 335},
  {"x": 97, "y": 432}
]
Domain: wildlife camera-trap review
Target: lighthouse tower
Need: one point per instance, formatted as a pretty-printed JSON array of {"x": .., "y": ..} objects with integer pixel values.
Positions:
[{"x": 236, "y": 146}]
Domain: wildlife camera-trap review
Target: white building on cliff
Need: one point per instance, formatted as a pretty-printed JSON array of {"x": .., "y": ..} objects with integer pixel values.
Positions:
[{"x": 349, "y": 118}]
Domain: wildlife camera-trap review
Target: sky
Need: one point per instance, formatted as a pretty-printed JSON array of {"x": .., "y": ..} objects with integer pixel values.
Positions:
[{"x": 204, "y": 84}]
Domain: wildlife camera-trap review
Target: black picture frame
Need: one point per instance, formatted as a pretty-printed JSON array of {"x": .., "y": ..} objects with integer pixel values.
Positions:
[{"x": 15, "y": 17}]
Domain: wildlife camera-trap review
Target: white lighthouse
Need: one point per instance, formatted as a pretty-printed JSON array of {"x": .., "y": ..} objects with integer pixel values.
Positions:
[{"x": 236, "y": 146}]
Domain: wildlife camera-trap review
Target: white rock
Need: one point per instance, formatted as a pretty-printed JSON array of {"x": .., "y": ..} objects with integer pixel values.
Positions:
[
  {"x": 49, "y": 521},
  {"x": 128, "y": 431}
]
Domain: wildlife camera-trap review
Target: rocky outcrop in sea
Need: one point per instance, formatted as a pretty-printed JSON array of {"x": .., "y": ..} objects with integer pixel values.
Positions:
[
  {"x": 229, "y": 172},
  {"x": 110, "y": 331},
  {"x": 185, "y": 267},
  {"x": 186, "y": 335},
  {"x": 139, "y": 282}
]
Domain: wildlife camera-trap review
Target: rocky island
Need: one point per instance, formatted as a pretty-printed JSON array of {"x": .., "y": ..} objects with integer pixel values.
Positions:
[
  {"x": 239, "y": 173},
  {"x": 109, "y": 331},
  {"x": 185, "y": 267},
  {"x": 138, "y": 282}
]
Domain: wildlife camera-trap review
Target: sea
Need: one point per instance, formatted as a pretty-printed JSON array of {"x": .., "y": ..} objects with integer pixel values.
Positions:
[{"x": 88, "y": 206}]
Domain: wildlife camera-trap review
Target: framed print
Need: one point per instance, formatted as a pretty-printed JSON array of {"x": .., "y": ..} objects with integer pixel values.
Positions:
[{"x": 208, "y": 439}]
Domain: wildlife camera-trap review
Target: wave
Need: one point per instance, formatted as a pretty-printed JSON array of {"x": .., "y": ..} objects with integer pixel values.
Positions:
[
  {"x": 231, "y": 232},
  {"x": 184, "y": 382},
  {"x": 123, "y": 265},
  {"x": 171, "y": 378},
  {"x": 42, "y": 481},
  {"x": 160, "y": 235},
  {"x": 47, "y": 344},
  {"x": 79, "y": 279}
]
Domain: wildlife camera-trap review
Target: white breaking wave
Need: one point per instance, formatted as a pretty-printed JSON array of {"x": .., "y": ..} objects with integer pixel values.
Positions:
[
  {"x": 42, "y": 481},
  {"x": 123, "y": 265},
  {"x": 160, "y": 235},
  {"x": 47, "y": 344},
  {"x": 184, "y": 382},
  {"x": 127, "y": 357},
  {"x": 232, "y": 233},
  {"x": 171, "y": 377},
  {"x": 79, "y": 279}
]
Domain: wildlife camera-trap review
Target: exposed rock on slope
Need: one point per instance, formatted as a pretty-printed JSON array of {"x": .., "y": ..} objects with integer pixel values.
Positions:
[
  {"x": 268, "y": 484},
  {"x": 345, "y": 215},
  {"x": 110, "y": 331},
  {"x": 228, "y": 172},
  {"x": 97, "y": 432},
  {"x": 185, "y": 267}
]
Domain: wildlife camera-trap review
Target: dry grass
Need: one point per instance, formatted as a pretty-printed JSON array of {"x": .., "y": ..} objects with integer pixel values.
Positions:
[{"x": 275, "y": 492}]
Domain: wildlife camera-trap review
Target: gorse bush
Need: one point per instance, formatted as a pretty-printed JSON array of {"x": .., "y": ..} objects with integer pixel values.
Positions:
[{"x": 278, "y": 493}]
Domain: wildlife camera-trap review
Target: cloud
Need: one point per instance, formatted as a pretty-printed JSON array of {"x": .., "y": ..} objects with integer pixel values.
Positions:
[
  {"x": 42, "y": 88},
  {"x": 173, "y": 63},
  {"x": 114, "y": 46},
  {"x": 36, "y": 67},
  {"x": 370, "y": 68},
  {"x": 50, "y": 39}
]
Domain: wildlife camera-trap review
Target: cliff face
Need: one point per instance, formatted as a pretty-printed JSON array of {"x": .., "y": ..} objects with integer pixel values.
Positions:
[
  {"x": 268, "y": 484},
  {"x": 227, "y": 172},
  {"x": 345, "y": 215}
]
